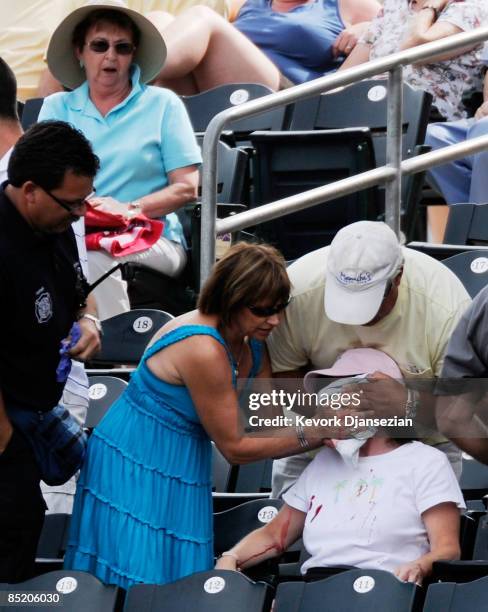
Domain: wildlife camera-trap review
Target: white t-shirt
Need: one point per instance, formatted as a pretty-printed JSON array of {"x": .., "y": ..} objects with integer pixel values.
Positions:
[
  {"x": 4, "y": 165},
  {"x": 371, "y": 517},
  {"x": 431, "y": 299}
]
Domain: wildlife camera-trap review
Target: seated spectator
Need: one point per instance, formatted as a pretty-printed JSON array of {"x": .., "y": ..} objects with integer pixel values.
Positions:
[
  {"x": 142, "y": 135},
  {"x": 392, "y": 506},
  {"x": 275, "y": 43},
  {"x": 143, "y": 509},
  {"x": 465, "y": 179},
  {"x": 365, "y": 290},
  {"x": 402, "y": 25},
  {"x": 28, "y": 24}
]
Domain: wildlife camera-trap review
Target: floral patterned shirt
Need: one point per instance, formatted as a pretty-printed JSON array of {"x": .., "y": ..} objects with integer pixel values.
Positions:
[{"x": 447, "y": 80}]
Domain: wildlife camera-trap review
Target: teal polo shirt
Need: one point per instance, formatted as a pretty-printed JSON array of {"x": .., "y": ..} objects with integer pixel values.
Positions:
[{"x": 138, "y": 142}]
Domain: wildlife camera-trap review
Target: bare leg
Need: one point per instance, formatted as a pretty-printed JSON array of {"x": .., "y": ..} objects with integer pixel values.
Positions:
[
  {"x": 184, "y": 86},
  {"x": 203, "y": 44}
]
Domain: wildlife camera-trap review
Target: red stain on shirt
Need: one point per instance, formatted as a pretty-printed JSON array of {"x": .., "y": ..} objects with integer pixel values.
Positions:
[{"x": 319, "y": 508}]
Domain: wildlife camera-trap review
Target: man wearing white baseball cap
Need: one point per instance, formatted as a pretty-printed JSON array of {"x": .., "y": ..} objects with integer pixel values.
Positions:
[{"x": 366, "y": 290}]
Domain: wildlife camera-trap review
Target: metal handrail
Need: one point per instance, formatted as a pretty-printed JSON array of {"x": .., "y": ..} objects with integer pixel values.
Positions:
[{"x": 390, "y": 174}]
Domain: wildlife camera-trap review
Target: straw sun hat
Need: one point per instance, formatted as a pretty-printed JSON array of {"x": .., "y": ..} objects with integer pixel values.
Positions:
[{"x": 149, "y": 55}]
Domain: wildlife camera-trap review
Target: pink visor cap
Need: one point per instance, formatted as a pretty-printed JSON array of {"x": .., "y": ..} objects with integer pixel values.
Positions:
[
  {"x": 362, "y": 258},
  {"x": 353, "y": 362}
]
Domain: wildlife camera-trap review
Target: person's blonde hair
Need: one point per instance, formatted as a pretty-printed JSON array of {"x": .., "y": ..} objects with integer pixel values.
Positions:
[{"x": 247, "y": 275}]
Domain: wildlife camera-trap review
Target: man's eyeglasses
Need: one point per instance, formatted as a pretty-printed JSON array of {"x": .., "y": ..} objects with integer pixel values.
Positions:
[
  {"x": 269, "y": 311},
  {"x": 73, "y": 206},
  {"x": 102, "y": 45}
]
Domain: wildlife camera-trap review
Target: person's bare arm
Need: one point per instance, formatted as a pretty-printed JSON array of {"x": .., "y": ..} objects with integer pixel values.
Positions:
[
  {"x": 267, "y": 542},
  {"x": 203, "y": 367},
  {"x": 426, "y": 29},
  {"x": 442, "y": 524},
  {"x": 463, "y": 419},
  {"x": 48, "y": 84},
  {"x": 359, "y": 55},
  {"x": 182, "y": 189}
]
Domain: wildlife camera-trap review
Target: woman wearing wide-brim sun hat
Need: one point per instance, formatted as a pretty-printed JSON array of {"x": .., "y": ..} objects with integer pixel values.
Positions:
[{"x": 149, "y": 157}]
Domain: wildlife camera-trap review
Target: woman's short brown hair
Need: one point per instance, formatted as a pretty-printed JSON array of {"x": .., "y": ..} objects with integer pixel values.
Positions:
[
  {"x": 247, "y": 275},
  {"x": 114, "y": 18}
]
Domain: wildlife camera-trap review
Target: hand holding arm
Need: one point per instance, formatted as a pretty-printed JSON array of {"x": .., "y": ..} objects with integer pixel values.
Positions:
[{"x": 348, "y": 38}]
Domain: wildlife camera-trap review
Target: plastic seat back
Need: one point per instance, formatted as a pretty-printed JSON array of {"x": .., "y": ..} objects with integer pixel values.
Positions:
[
  {"x": 203, "y": 107},
  {"x": 102, "y": 393},
  {"x": 471, "y": 267},
  {"x": 358, "y": 590},
  {"x": 70, "y": 591},
  {"x": 126, "y": 336},
  {"x": 213, "y": 591},
  {"x": 232, "y": 525}
]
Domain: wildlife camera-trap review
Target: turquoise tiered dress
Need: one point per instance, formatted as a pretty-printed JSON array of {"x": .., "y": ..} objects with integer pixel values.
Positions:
[{"x": 143, "y": 507}]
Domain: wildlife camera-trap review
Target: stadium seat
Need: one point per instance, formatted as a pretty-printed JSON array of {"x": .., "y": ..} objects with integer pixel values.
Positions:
[
  {"x": 52, "y": 543},
  {"x": 102, "y": 393},
  {"x": 212, "y": 591},
  {"x": 232, "y": 525},
  {"x": 451, "y": 597},
  {"x": 203, "y": 107},
  {"x": 467, "y": 224},
  {"x": 364, "y": 104},
  {"x": 471, "y": 267},
  {"x": 30, "y": 112},
  {"x": 287, "y": 163},
  {"x": 53, "y": 540},
  {"x": 357, "y": 590},
  {"x": 474, "y": 478},
  {"x": 254, "y": 477},
  {"x": 78, "y": 591},
  {"x": 125, "y": 338},
  {"x": 222, "y": 472}
]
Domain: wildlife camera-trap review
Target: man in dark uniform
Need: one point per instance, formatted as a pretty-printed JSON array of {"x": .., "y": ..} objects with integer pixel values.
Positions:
[{"x": 50, "y": 172}]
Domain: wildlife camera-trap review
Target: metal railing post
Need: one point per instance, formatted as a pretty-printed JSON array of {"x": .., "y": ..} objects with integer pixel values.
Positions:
[{"x": 393, "y": 190}]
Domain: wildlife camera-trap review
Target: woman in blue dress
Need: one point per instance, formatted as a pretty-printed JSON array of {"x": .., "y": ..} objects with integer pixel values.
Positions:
[
  {"x": 143, "y": 508},
  {"x": 273, "y": 42}
]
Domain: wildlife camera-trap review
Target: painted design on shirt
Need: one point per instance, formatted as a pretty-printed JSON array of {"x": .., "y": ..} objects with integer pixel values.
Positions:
[{"x": 338, "y": 487}]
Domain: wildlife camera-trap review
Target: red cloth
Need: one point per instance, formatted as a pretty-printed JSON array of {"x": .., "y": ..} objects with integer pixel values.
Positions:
[{"x": 119, "y": 235}]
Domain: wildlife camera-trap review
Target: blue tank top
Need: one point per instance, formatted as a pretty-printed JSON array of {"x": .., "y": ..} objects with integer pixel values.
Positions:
[{"x": 298, "y": 42}]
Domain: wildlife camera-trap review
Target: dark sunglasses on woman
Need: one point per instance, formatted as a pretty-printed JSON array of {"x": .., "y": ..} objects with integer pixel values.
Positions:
[
  {"x": 102, "y": 45},
  {"x": 269, "y": 311}
]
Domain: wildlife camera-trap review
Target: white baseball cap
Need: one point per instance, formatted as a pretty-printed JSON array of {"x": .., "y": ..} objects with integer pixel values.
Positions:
[{"x": 362, "y": 258}]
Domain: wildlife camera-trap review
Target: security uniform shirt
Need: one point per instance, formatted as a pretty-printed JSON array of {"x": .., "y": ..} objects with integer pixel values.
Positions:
[{"x": 40, "y": 280}]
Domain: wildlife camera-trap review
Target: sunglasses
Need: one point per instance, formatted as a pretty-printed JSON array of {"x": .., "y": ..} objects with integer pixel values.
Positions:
[
  {"x": 269, "y": 311},
  {"x": 102, "y": 45},
  {"x": 72, "y": 206}
]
